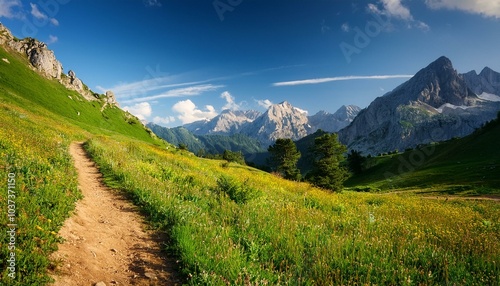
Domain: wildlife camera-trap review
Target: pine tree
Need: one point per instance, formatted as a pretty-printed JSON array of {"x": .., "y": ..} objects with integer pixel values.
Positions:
[
  {"x": 327, "y": 172},
  {"x": 236, "y": 157},
  {"x": 284, "y": 158},
  {"x": 356, "y": 162}
]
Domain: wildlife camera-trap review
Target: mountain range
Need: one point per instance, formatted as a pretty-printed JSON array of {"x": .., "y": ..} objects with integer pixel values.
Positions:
[
  {"x": 245, "y": 130},
  {"x": 436, "y": 104}
]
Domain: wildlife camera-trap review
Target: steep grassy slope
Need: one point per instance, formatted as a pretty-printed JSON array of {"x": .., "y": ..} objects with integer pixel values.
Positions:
[
  {"x": 33, "y": 152},
  {"x": 469, "y": 164},
  {"x": 21, "y": 86},
  {"x": 38, "y": 120}
]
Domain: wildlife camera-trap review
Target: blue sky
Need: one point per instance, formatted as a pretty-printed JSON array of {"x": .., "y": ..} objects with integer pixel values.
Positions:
[{"x": 177, "y": 61}]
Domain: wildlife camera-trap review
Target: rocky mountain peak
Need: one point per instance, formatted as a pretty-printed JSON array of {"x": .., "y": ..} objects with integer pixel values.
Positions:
[
  {"x": 487, "y": 72},
  {"x": 435, "y": 85},
  {"x": 334, "y": 122},
  {"x": 281, "y": 120},
  {"x": 227, "y": 122},
  {"x": 435, "y": 104},
  {"x": 487, "y": 81},
  {"x": 441, "y": 64},
  {"x": 347, "y": 112},
  {"x": 284, "y": 104}
]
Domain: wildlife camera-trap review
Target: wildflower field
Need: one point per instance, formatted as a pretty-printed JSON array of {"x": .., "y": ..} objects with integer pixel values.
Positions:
[
  {"x": 44, "y": 192},
  {"x": 236, "y": 225}
]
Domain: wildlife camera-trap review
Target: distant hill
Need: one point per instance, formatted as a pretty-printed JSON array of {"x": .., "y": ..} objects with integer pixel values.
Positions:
[{"x": 209, "y": 144}]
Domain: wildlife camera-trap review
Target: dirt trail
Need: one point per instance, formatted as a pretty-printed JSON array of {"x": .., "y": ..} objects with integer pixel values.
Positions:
[{"x": 107, "y": 240}]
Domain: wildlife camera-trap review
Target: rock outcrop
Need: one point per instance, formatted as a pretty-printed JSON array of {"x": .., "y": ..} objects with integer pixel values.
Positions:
[
  {"x": 74, "y": 83},
  {"x": 44, "y": 61},
  {"x": 40, "y": 57},
  {"x": 110, "y": 98}
]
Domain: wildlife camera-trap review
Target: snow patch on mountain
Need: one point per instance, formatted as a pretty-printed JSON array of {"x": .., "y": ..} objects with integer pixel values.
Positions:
[
  {"x": 449, "y": 105},
  {"x": 489, "y": 97}
]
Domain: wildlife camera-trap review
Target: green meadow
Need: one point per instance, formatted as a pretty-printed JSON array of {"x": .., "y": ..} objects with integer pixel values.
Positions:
[
  {"x": 467, "y": 166},
  {"x": 229, "y": 224}
]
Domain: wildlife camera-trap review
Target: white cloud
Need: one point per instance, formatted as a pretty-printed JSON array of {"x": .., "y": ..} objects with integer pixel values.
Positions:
[
  {"x": 230, "y": 104},
  {"x": 422, "y": 26},
  {"x": 141, "y": 110},
  {"x": 345, "y": 27},
  {"x": 37, "y": 13},
  {"x": 394, "y": 9},
  {"x": 124, "y": 90},
  {"x": 189, "y": 112},
  {"x": 163, "y": 120},
  {"x": 52, "y": 39},
  {"x": 372, "y": 8},
  {"x": 179, "y": 92},
  {"x": 152, "y": 3},
  {"x": 7, "y": 8},
  {"x": 338, "y": 78},
  {"x": 266, "y": 103},
  {"x": 488, "y": 8}
]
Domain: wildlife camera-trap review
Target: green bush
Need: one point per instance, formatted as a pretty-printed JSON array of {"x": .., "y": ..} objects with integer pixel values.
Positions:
[{"x": 237, "y": 192}]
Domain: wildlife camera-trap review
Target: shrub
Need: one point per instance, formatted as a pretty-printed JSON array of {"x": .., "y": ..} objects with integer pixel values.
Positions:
[{"x": 237, "y": 192}]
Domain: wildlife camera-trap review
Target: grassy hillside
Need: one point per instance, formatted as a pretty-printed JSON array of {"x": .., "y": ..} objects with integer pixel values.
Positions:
[
  {"x": 467, "y": 165},
  {"x": 238, "y": 225},
  {"x": 21, "y": 86},
  {"x": 38, "y": 120},
  {"x": 227, "y": 223}
]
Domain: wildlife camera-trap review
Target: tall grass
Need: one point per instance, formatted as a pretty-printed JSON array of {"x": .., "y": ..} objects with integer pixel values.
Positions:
[
  {"x": 45, "y": 192},
  {"x": 291, "y": 233},
  {"x": 38, "y": 120}
]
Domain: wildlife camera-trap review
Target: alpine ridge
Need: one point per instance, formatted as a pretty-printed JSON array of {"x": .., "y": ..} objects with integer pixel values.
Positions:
[
  {"x": 436, "y": 104},
  {"x": 281, "y": 120}
]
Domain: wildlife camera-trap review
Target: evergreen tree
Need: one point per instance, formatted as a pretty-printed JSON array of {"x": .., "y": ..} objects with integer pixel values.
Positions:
[
  {"x": 236, "y": 157},
  {"x": 327, "y": 172},
  {"x": 284, "y": 158},
  {"x": 356, "y": 162}
]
